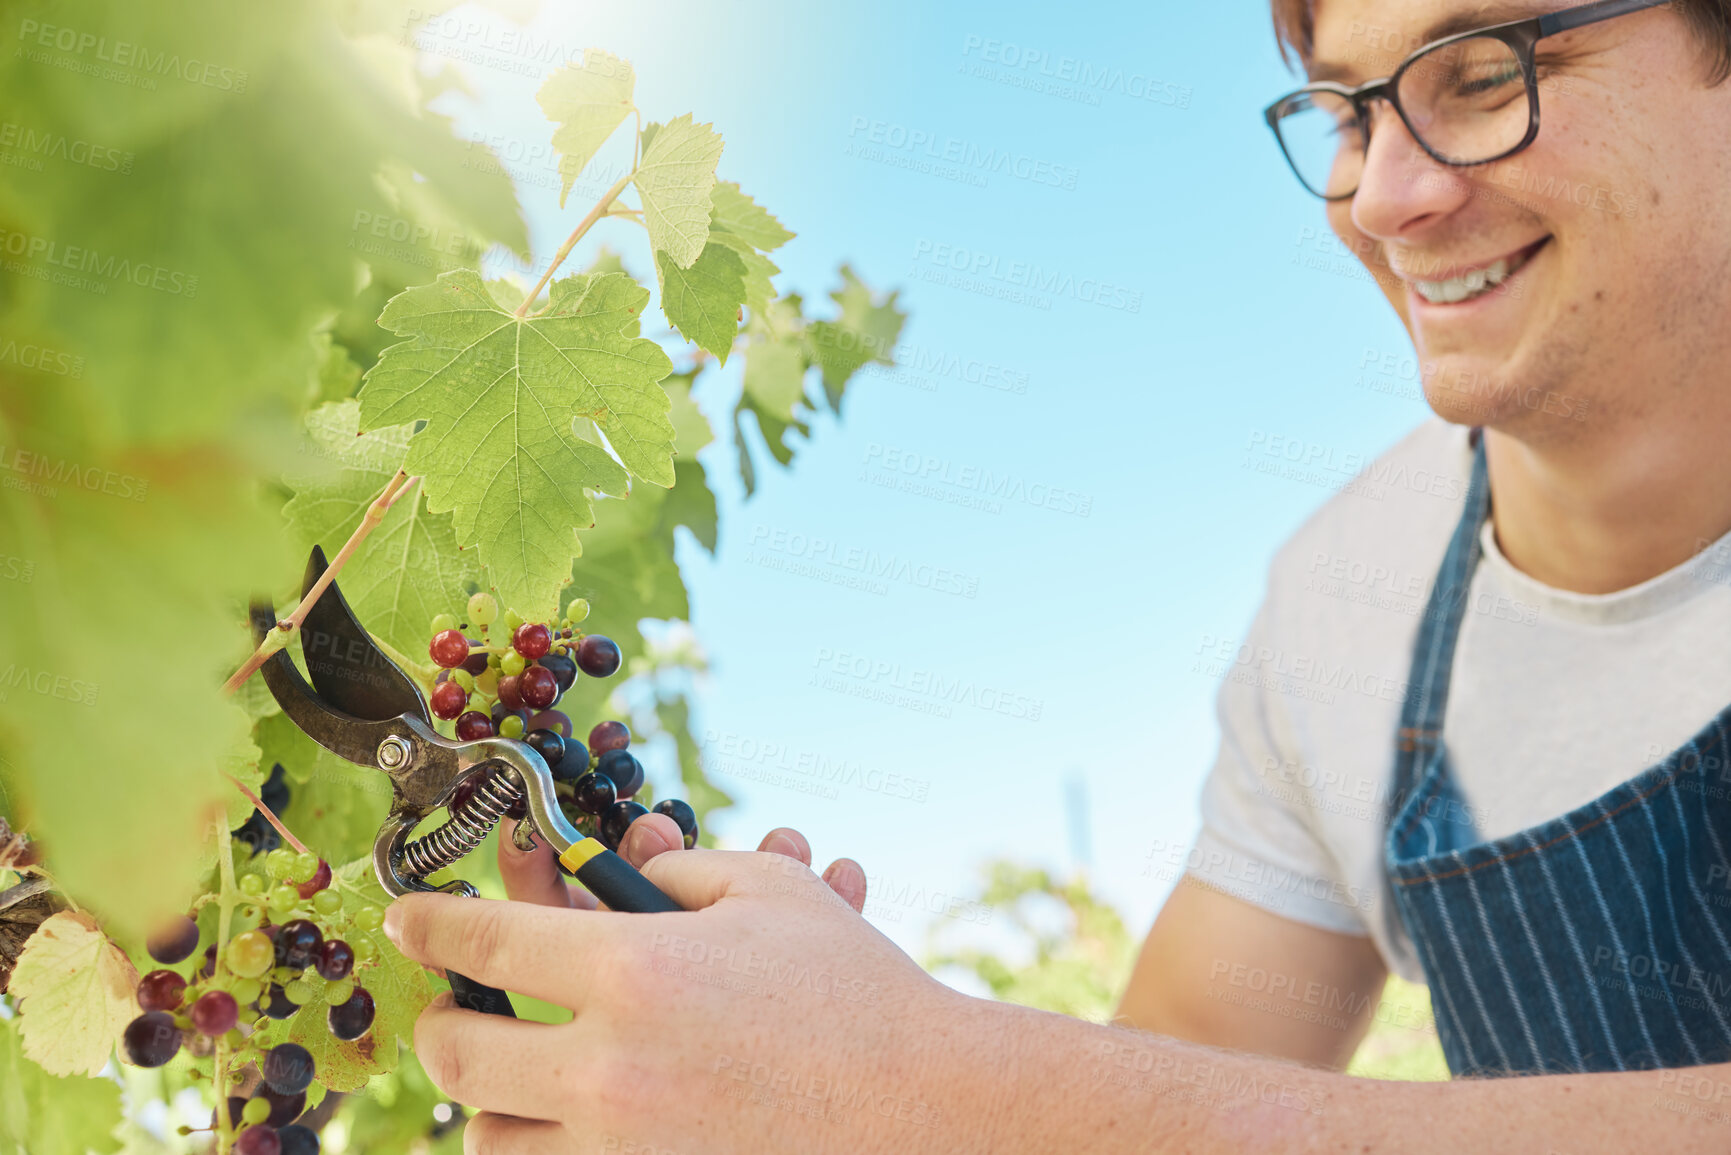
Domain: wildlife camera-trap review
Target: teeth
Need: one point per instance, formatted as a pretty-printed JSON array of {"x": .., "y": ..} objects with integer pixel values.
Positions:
[{"x": 1460, "y": 288}]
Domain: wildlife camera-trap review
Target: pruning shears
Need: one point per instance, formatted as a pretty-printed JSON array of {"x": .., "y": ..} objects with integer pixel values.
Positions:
[{"x": 364, "y": 709}]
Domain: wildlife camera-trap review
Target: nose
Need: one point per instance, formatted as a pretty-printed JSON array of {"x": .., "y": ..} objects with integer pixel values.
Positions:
[{"x": 1402, "y": 187}]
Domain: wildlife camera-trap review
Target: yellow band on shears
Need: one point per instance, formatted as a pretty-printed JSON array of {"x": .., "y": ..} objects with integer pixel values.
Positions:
[{"x": 580, "y": 852}]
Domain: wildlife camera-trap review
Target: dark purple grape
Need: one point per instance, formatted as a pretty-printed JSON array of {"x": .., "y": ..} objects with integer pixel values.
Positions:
[
  {"x": 683, "y": 817},
  {"x": 209, "y": 967},
  {"x": 236, "y": 1105},
  {"x": 160, "y": 991},
  {"x": 354, "y": 1018},
  {"x": 174, "y": 941},
  {"x": 336, "y": 960},
  {"x": 275, "y": 791},
  {"x": 626, "y": 771},
  {"x": 287, "y": 1068},
  {"x": 298, "y": 1140},
  {"x": 284, "y": 1109},
  {"x": 275, "y": 1003},
  {"x": 564, "y": 670},
  {"x": 550, "y": 746},
  {"x": 617, "y": 820},
  {"x": 609, "y": 736},
  {"x": 259, "y": 1140},
  {"x": 598, "y": 656},
  {"x": 575, "y": 763},
  {"x": 511, "y": 693},
  {"x": 152, "y": 1039},
  {"x": 297, "y": 944},
  {"x": 594, "y": 793},
  {"x": 258, "y": 834},
  {"x": 215, "y": 1013},
  {"x": 477, "y": 664},
  {"x": 538, "y": 687}
]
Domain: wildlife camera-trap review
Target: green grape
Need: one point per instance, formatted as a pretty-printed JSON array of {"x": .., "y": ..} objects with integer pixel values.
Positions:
[
  {"x": 306, "y": 865},
  {"x": 252, "y": 912},
  {"x": 512, "y": 663},
  {"x": 282, "y": 975},
  {"x": 283, "y": 898},
  {"x": 251, "y": 885},
  {"x": 280, "y": 863},
  {"x": 464, "y": 679},
  {"x": 364, "y": 950},
  {"x": 577, "y": 610},
  {"x": 256, "y": 1111},
  {"x": 338, "y": 993},
  {"x": 443, "y": 622},
  {"x": 368, "y": 918},
  {"x": 300, "y": 992},
  {"x": 246, "y": 990},
  {"x": 513, "y": 619},
  {"x": 250, "y": 954},
  {"x": 327, "y": 901},
  {"x": 483, "y": 609},
  {"x": 511, "y": 726}
]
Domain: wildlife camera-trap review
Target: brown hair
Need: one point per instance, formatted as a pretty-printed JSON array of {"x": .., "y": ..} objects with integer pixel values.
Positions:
[{"x": 1709, "y": 20}]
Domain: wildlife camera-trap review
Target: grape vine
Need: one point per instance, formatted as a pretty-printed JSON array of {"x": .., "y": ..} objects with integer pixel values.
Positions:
[{"x": 499, "y": 468}]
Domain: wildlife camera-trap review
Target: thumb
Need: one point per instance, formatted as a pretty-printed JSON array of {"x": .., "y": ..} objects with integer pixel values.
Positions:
[{"x": 698, "y": 878}]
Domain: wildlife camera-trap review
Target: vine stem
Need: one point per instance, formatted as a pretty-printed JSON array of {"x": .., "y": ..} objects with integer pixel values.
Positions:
[
  {"x": 396, "y": 488},
  {"x": 226, "y": 902},
  {"x": 583, "y": 226},
  {"x": 269, "y": 815}
]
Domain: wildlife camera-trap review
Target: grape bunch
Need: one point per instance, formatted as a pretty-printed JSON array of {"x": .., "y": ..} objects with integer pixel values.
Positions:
[
  {"x": 511, "y": 689},
  {"x": 290, "y": 953}
]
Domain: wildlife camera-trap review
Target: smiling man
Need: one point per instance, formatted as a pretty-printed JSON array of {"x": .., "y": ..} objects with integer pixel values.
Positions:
[{"x": 1536, "y": 824}]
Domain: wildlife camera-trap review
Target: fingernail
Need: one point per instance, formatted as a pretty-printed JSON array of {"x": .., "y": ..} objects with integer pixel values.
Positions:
[
  {"x": 783, "y": 845},
  {"x": 646, "y": 842},
  {"x": 394, "y": 924},
  {"x": 445, "y": 999}
]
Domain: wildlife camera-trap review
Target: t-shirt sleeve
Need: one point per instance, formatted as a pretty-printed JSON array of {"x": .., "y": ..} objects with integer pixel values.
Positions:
[{"x": 1259, "y": 842}]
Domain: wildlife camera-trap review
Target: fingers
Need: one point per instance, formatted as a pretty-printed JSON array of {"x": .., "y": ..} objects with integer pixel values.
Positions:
[
  {"x": 650, "y": 835},
  {"x": 481, "y": 1060},
  {"x": 516, "y": 946},
  {"x": 847, "y": 878},
  {"x": 489, "y": 1134},
  {"x": 531, "y": 876},
  {"x": 700, "y": 878},
  {"x": 788, "y": 841}
]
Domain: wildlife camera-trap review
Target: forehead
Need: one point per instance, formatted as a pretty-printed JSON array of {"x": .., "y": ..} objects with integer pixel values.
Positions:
[{"x": 1355, "y": 39}]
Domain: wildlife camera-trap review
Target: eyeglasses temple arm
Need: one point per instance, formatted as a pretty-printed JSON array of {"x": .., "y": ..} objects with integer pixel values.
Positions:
[{"x": 1591, "y": 14}]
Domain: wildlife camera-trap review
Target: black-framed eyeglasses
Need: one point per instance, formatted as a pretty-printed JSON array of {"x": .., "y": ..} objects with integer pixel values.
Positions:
[{"x": 1467, "y": 99}]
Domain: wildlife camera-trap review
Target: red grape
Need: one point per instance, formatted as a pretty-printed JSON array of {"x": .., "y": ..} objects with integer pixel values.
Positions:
[
  {"x": 321, "y": 878},
  {"x": 160, "y": 991},
  {"x": 609, "y": 736},
  {"x": 510, "y": 691},
  {"x": 151, "y": 1039},
  {"x": 259, "y": 1140},
  {"x": 532, "y": 640},
  {"x": 448, "y": 700},
  {"x": 598, "y": 656},
  {"x": 174, "y": 942},
  {"x": 473, "y": 726},
  {"x": 336, "y": 960},
  {"x": 538, "y": 687},
  {"x": 215, "y": 1013},
  {"x": 449, "y": 648}
]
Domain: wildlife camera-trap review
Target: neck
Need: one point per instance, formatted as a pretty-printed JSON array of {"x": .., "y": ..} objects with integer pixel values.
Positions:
[{"x": 1599, "y": 514}]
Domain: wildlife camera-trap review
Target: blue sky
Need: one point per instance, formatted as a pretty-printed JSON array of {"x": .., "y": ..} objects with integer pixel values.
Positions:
[{"x": 1196, "y": 320}]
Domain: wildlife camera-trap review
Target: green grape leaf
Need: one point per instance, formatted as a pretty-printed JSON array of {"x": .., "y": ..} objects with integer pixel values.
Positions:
[
  {"x": 503, "y": 396},
  {"x": 691, "y": 429},
  {"x": 865, "y": 331},
  {"x": 77, "y": 990},
  {"x": 775, "y": 373},
  {"x": 45, "y": 1115},
  {"x": 335, "y": 375},
  {"x": 400, "y": 992},
  {"x": 674, "y": 180},
  {"x": 759, "y": 291},
  {"x": 703, "y": 301},
  {"x": 739, "y": 214},
  {"x": 691, "y": 503},
  {"x": 410, "y": 567},
  {"x": 587, "y": 101},
  {"x": 335, "y": 807}
]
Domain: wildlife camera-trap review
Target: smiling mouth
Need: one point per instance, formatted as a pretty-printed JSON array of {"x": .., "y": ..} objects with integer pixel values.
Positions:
[{"x": 1477, "y": 283}]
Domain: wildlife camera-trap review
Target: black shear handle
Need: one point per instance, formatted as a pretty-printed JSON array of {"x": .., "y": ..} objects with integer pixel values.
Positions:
[{"x": 473, "y": 996}]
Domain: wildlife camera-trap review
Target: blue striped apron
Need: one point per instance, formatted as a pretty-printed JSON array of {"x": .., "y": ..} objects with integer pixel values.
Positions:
[{"x": 1596, "y": 941}]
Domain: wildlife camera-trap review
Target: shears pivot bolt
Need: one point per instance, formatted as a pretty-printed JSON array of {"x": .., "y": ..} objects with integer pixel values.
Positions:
[{"x": 393, "y": 753}]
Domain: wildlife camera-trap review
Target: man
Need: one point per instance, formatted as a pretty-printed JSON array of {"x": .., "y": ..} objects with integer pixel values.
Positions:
[{"x": 1536, "y": 824}]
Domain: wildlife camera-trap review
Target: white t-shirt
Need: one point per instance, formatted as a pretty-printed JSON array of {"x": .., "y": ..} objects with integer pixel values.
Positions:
[{"x": 1556, "y": 697}]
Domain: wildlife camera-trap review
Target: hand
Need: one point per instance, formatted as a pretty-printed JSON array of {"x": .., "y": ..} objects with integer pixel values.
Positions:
[
  {"x": 768, "y": 1016},
  {"x": 534, "y": 876}
]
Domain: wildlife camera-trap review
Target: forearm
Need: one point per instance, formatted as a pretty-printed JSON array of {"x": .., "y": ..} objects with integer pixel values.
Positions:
[{"x": 1046, "y": 1082}]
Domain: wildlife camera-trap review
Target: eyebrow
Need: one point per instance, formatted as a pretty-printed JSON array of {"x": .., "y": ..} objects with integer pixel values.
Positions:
[{"x": 1482, "y": 15}]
